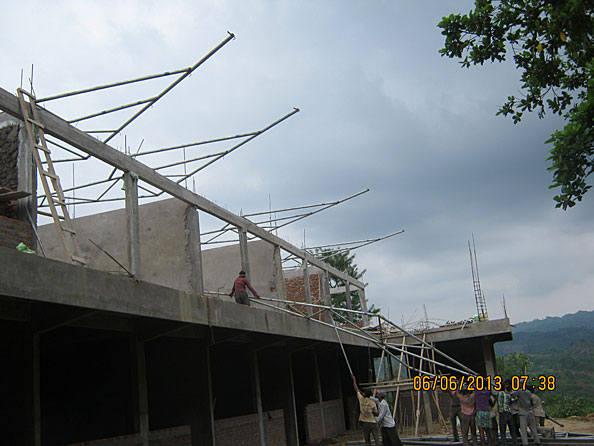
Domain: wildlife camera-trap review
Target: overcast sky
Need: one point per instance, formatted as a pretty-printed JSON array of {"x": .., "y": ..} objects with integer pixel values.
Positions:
[{"x": 380, "y": 109}]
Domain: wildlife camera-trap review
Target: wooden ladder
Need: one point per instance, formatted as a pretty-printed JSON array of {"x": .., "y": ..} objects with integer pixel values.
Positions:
[{"x": 53, "y": 190}]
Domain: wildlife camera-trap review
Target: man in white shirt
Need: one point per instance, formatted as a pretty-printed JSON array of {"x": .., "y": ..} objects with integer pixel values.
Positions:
[{"x": 386, "y": 422}]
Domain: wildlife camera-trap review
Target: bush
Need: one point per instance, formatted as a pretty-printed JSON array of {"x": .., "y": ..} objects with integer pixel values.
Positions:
[{"x": 563, "y": 406}]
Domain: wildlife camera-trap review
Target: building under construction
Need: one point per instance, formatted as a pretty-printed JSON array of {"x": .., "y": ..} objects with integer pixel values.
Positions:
[{"x": 118, "y": 330}]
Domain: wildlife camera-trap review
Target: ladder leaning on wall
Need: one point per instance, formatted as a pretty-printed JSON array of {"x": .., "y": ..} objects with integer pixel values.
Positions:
[{"x": 52, "y": 188}]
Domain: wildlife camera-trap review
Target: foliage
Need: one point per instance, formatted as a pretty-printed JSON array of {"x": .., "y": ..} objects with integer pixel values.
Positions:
[
  {"x": 516, "y": 364},
  {"x": 581, "y": 319},
  {"x": 563, "y": 406},
  {"x": 552, "y": 44},
  {"x": 344, "y": 261}
]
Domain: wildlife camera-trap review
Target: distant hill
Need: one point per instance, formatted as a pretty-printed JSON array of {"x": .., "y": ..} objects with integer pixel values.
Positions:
[
  {"x": 549, "y": 334},
  {"x": 581, "y": 319}
]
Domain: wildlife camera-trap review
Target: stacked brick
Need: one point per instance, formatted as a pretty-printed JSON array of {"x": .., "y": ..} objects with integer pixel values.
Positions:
[
  {"x": 13, "y": 232},
  {"x": 9, "y": 150},
  {"x": 295, "y": 289},
  {"x": 237, "y": 431}
]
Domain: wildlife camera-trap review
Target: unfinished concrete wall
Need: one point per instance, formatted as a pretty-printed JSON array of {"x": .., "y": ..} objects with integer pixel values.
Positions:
[
  {"x": 333, "y": 420},
  {"x": 244, "y": 430},
  {"x": 163, "y": 249},
  {"x": 236, "y": 431},
  {"x": 221, "y": 266},
  {"x": 162, "y": 242}
]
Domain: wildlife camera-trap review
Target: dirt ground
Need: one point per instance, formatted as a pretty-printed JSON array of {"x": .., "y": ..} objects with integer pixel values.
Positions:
[{"x": 575, "y": 424}]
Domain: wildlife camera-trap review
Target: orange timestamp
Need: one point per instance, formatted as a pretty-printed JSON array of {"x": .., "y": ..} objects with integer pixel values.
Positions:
[{"x": 471, "y": 382}]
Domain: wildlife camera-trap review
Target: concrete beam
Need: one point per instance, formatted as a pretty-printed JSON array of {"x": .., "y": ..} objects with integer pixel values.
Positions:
[
  {"x": 33, "y": 278},
  {"x": 60, "y": 129},
  {"x": 46, "y": 319},
  {"x": 497, "y": 330}
]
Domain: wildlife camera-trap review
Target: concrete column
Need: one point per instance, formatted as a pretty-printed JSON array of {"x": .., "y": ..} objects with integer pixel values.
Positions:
[
  {"x": 320, "y": 396},
  {"x": 306, "y": 286},
  {"x": 325, "y": 291},
  {"x": 143, "y": 412},
  {"x": 202, "y": 425},
  {"x": 428, "y": 414},
  {"x": 347, "y": 296},
  {"x": 289, "y": 406},
  {"x": 363, "y": 300},
  {"x": 243, "y": 251},
  {"x": 256, "y": 377},
  {"x": 489, "y": 357},
  {"x": 193, "y": 250},
  {"x": 133, "y": 223},
  {"x": 277, "y": 273},
  {"x": 35, "y": 402}
]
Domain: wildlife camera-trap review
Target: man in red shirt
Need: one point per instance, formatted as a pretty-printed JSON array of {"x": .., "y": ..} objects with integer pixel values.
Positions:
[{"x": 241, "y": 296}]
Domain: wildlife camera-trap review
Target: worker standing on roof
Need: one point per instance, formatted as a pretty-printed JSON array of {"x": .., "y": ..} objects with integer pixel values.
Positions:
[{"x": 239, "y": 289}]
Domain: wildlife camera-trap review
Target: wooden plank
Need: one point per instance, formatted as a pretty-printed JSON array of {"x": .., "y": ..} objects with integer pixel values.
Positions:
[
  {"x": 60, "y": 129},
  {"x": 13, "y": 195}
]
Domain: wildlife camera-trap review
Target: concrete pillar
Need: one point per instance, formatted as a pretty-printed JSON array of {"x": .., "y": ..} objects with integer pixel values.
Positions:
[
  {"x": 256, "y": 378},
  {"x": 306, "y": 286},
  {"x": 243, "y": 251},
  {"x": 325, "y": 292},
  {"x": 489, "y": 357},
  {"x": 319, "y": 391},
  {"x": 143, "y": 412},
  {"x": 277, "y": 273},
  {"x": 133, "y": 223},
  {"x": 363, "y": 300},
  {"x": 428, "y": 414},
  {"x": 202, "y": 420},
  {"x": 289, "y": 406},
  {"x": 193, "y": 250},
  {"x": 347, "y": 296},
  {"x": 33, "y": 401}
]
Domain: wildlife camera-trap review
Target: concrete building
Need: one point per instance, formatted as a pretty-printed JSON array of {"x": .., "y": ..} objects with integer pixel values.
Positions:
[{"x": 137, "y": 347}]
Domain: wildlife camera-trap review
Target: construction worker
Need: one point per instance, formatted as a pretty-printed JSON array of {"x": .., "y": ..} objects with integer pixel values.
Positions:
[
  {"x": 468, "y": 409},
  {"x": 241, "y": 296},
  {"x": 506, "y": 419},
  {"x": 386, "y": 422},
  {"x": 526, "y": 415},
  {"x": 367, "y": 413},
  {"x": 455, "y": 413}
]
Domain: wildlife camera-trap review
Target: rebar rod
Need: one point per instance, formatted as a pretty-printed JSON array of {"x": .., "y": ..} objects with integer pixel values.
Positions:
[
  {"x": 111, "y": 110},
  {"x": 182, "y": 146},
  {"x": 177, "y": 163},
  {"x": 115, "y": 84}
]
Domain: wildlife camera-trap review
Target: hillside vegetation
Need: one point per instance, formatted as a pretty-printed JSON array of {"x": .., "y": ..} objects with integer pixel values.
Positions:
[{"x": 558, "y": 346}]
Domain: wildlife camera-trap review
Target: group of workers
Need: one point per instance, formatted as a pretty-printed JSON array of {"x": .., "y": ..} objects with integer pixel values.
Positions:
[
  {"x": 483, "y": 408},
  {"x": 509, "y": 410}
]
